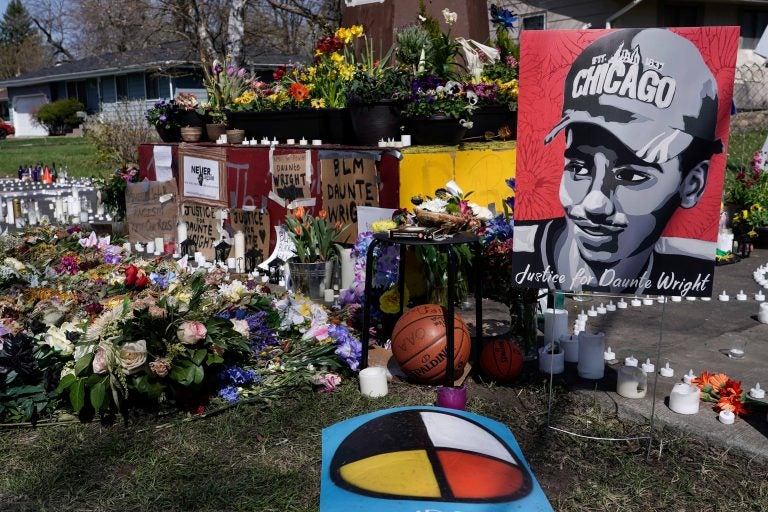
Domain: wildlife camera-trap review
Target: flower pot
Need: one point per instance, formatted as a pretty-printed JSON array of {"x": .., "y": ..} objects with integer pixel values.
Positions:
[
  {"x": 169, "y": 134},
  {"x": 191, "y": 133},
  {"x": 235, "y": 136},
  {"x": 339, "y": 128},
  {"x": 435, "y": 131},
  {"x": 189, "y": 118},
  {"x": 215, "y": 130},
  {"x": 373, "y": 122},
  {"x": 310, "y": 279},
  {"x": 283, "y": 125},
  {"x": 490, "y": 118}
]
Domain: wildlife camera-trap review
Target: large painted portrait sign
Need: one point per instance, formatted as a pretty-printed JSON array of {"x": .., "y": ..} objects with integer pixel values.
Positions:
[{"x": 621, "y": 157}]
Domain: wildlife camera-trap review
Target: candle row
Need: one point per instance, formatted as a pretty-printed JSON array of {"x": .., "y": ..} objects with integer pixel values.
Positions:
[{"x": 266, "y": 142}]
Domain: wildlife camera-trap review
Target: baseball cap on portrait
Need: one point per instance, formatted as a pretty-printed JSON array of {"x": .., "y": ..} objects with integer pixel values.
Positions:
[{"x": 649, "y": 87}]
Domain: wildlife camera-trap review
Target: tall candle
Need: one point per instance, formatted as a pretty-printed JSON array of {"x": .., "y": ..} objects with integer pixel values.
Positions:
[
  {"x": 347, "y": 268},
  {"x": 10, "y": 219},
  {"x": 373, "y": 381},
  {"x": 150, "y": 247},
  {"x": 591, "y": 351},
  {"x": 570, "y": 345},
  {"x": 555, "y": 324},
  {"x": 239, "y": 252},
  {"x": 181, "y": 232},
  {"x": 159, "y": 244},
  {"x": 684, "y": 399}
]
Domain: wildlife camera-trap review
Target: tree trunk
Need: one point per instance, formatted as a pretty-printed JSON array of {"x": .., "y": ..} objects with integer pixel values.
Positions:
[{"x": 235, "y": 31}]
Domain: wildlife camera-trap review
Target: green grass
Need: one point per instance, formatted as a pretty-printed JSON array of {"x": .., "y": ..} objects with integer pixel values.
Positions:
[
  {"x": 268, "y": 459},
  {"x": 74, "y": 152}
]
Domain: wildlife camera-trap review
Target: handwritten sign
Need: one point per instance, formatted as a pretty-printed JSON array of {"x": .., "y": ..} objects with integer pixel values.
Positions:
[
  {"x": 202, "y": 226},
  {"x": 284, "y": 248},
  {"x": 291, "y": 178},
  {"x": 346, "y": 184},
  {"x": 255, "y": 227},
  {"x": 203, "y": 175},
  {"x": 146, "y": 216}
]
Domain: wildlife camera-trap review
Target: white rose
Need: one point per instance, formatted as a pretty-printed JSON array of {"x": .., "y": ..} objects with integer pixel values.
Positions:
[
  {"x": 16, "y": 264},
  {"x": 57, "y": 339},
  {"x": 241, "y": 326},
  {"x": 481, "y": 212},
  {"x": 133, "y": 355}
]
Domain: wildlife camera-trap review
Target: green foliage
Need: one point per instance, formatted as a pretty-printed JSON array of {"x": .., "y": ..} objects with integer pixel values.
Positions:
[
  {"x": 313, "y": 237},
  {"x": 60, "y": 116},
  {"x": 410, "y": 41},
  {"x": 76, "y": 153},
  {"x": 17, "y": 25},
  {"x": 117, "y": 136}
]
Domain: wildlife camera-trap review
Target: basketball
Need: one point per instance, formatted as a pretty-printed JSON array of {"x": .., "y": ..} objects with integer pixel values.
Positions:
[
  {"x": 501, "y": 360},
  {"x": 419, "y": 344}
]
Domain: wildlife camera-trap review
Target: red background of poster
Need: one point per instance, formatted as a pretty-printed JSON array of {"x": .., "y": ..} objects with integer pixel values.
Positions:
[{"x": 546, "y": 57}]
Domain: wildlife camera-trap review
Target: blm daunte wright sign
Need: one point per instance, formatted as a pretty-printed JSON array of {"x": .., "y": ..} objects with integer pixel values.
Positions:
[
  {"x": 346, "y": 184},
  {"x": 619, "y": 176}
]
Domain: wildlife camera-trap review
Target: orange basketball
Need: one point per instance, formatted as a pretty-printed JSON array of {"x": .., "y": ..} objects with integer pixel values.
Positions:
[
  {"x": 501, "y": 360},
  {"x": 419, "y": 344}
]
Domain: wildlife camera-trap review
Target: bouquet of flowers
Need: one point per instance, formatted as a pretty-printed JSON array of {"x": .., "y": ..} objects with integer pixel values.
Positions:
[
  {"x": 725, "y": 393},
  {"x": 314, "y": 238},
  {"x": 433, "y": 96},
  {"x": 163, "y": 115},
  {"x": 225, "y": 83}
]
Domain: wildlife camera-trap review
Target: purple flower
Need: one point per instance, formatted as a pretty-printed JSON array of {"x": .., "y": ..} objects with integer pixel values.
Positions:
[
  {"x": 229, "y": 393},
  {"x": 231, "y": 71},
  {"x": 261, "y": 335},
  {"x": 112, "y": 255},
  {"x": 163, "y": 118},
  {"x": 241, "y": 73},
  {"x": 348, "y": 348},
  {"x": 238, "y": 376},
  {"x": 160, "y": 280}
]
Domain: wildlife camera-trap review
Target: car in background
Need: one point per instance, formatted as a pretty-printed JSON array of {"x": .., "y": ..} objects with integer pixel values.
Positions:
[{"x": 6, "y": 129}]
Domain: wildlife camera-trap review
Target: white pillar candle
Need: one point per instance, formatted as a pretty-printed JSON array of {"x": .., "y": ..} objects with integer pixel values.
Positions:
[
  {"x": 150, "y": 247},
  {"x": 373, "y": 381},
  {"x": 328, "y": 295},
  {"x": 83, "y": 216},
  {"x": 9, "y": 218},
  {"x": 549, "y": 362},
  {"x": 347, "y": 268},
  {"x": 555, "y": 324},
  {"x": 239, "y": 252},
  {"x": 631, "y": 382},
  {"x": 570, "y": 346},
  {"x": 181, "y": 232},
  {"x": 591, "y": 350},
  {"x": 406, "y": 140},
  {"x": 231, "y": 263},
  {"x": 684, "y": 399},
  {"x": 159, "y": 243},
  {"x": 762, "y": 314}
]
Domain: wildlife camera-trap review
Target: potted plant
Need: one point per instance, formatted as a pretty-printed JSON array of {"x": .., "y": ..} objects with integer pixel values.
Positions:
[
  {"x": 164, "y": 117},
  {"x": 438, "y": 111},
  {"x": 190, "y": 116},
  {"x": 372, "y": 97},
  {"x": 225, "y": 83},
  {"x": 314, "y": 239}
]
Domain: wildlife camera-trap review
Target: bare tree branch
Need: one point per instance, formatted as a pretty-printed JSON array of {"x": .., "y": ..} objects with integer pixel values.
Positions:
[{"x": 58, "y": 46}]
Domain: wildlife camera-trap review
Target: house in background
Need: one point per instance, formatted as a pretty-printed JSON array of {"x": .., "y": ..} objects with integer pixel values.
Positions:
[
  {"x": 102, "y": 83},
  {"x": 751, "y": 87}
]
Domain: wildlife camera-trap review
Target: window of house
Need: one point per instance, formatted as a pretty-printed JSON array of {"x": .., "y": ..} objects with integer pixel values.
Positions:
[
  {"x": 753, "y": 23},
  {"x": 534, "y": 22},
  {"x": 681, "y": 15},
  {"x": 153, "y": 87},
  {"x": 121, "y": 87},
  {"x": 76, "y": 90}
]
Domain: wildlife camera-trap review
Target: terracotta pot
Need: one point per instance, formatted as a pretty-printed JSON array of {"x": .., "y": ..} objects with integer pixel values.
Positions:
[
  {"x": 235, "y": 136},
  {"x": 191, "y": 133}
]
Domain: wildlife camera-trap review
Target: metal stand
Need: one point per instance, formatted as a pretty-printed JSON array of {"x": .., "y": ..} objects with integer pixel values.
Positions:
[{"x": 444, "y": 245}]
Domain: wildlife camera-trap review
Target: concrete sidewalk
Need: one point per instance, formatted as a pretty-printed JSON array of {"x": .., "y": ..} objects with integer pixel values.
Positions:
[{"x": 692, "y": 335}]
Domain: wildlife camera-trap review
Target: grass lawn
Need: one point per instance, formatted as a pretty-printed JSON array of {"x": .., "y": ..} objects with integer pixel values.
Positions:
[
  {"x": 74, "y": 152},
  {"x": 253, "y": 458}
]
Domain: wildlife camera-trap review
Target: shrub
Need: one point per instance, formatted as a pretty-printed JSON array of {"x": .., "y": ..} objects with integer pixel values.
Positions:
[
  {"x": 117, "y": 133},
  {"x": 60, "y": 116}
]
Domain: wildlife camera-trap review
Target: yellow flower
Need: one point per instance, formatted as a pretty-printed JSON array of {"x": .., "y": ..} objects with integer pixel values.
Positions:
[
  {"x": 344, "y": 34},
  {"x": 336, "y": 57},
  {"x": 356, "y": 30},
  {"x": 317, "y": 103},
  {"x": 347, "y": 72},
  {"x": 245, "y": 98},
  {"x": 383, "y": 225},
  {"x": 390, "y": 300}
]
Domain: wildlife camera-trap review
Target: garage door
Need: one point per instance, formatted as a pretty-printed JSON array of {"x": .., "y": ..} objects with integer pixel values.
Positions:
[{"x": 23, "y": 120}]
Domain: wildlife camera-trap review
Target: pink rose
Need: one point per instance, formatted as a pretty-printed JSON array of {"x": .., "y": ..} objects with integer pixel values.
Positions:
[
  {"x": 160, "y": 367},
  {"x": 99, "y": 364},
  {"x": 190, "y": 332},
  {"x": 329, "y": 381}
]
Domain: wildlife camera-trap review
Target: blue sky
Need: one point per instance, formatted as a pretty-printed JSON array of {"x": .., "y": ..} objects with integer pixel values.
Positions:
[{"x": 3, "y": 6}]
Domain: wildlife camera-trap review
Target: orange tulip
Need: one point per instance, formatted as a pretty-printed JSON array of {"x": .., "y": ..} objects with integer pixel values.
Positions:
[
  {"x": 297, "y": 230},
  {"x": 338, "y": 226},
  {"x": 322, "y": 214},
  {"x": 299, "y": 213}
]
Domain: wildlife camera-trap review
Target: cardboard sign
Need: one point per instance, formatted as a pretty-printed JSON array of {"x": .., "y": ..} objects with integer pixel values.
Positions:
[
  {"x": 346, "y": 184},
  {"x": 255, "y": 227},
  {"x": 203, "y": 174},
  {"x": 291, "y": 178},
  {"x": 284, "y": 248},
  {"x": 619, "y": 174},
  {"x": 146, "y": 216},
  {"x": 203, "y": 226}
]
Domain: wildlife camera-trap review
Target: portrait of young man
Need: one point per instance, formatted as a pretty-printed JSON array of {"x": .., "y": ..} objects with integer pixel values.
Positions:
[{"x": 619, "y": 190}]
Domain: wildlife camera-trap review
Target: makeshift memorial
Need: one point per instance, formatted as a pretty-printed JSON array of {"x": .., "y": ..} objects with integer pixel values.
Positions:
[{"x": 684, "y": 398}]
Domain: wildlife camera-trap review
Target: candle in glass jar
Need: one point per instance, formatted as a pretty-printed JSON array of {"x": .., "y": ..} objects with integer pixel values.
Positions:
[{"x": 452, "y": 397}]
